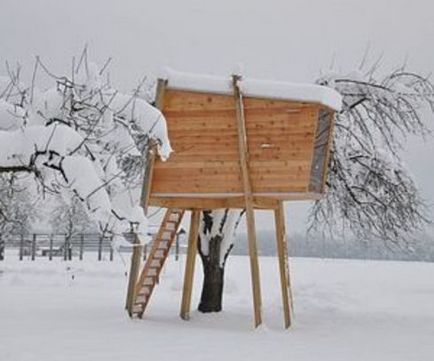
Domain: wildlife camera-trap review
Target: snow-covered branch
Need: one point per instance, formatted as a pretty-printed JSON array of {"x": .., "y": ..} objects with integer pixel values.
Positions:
[
  {"x": 370, "y": 191},
  {"x": 80, "y": 137}
]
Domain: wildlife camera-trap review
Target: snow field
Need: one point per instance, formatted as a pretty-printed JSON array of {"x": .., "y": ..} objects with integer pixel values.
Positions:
[{"x": 345, "y": 310}]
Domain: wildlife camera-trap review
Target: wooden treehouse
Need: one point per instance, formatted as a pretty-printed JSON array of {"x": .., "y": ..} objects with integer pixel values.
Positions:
[{"x": 238, "y": 143}]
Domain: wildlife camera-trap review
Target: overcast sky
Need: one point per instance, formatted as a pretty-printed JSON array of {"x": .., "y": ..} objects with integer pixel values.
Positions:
[{"x": 274, "y": 39}]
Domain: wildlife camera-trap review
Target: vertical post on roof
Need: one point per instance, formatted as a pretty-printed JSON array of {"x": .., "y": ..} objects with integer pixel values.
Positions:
[
  {"x": 151, "y": 150},
  {"x": 248, "y": 198},
  {"x": 282, "y": 253},
  {"x": 189, "y": 265}
]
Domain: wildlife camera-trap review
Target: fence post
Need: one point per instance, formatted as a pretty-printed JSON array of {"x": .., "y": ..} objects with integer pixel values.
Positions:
[
  {"x": 177, "y": 247},
  {"x": 65, "y": 248},
  {"x": 70, "y": 248},
  {"x": 2, "y": 248},
  {"x": 34, "y": 246},
  {"x": 100, "y": 248},
  {"x": 21, "y": 247},
  {"x": 145, "y": 251},
  {"x": 81, "y": 247},
  {"x": 111, "y": 249},
  {"x": 50, "y": 254}
]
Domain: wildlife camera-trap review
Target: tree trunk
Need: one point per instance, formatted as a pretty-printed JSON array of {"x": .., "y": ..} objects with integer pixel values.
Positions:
[
  {"x": 212, "y": 288},
  {"x": 213, "y": 260}
]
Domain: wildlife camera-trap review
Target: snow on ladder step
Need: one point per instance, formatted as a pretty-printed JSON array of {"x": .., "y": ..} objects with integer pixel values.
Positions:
[
  {"x": 166, "y": 236},
  {"x": 148, "y": 281},
  {"x": 155, "y": 263},
  {"x": 163, "y": 244},
  {"x": 170, "y": 226},
  {"x": 152, "y": 272},
  {"x": 159, "y": 254},
  {"x": 137, "y": 308},
  {"x": 141, "y": 299},
  {"x": 144, "y": 291},
  {"x": 174, "y": 217}
]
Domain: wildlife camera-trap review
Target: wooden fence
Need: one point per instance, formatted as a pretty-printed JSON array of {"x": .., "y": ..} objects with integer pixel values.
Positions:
[{"x": 55, "y": 246}]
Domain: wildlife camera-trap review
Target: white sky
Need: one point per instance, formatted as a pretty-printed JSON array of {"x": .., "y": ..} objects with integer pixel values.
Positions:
[{"x": 275, "y": 39}]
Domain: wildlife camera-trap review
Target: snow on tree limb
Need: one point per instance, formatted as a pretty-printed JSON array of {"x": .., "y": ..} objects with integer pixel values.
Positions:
[
  {"x": 370, "y": 192},
  {"x": 81, "y": 137}
]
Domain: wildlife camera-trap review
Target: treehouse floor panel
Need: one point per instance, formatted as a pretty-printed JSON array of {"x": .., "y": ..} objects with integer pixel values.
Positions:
[{"x": 345, "y": 310}]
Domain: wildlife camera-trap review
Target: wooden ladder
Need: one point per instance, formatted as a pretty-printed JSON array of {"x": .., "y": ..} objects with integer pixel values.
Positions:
[{"x": 155, "y": 261}]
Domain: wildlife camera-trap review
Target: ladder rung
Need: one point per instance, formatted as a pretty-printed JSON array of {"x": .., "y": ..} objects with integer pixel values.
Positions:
[
  {"x": 155, "y": 263},
  {"x": 148, "y": 281},
  {"x": 167, "y": 235},
  {"x": 141, "y": 299},
  {"x": 163, "y": 244},
  {"x": 159, "y": 254},
  {"x": 137, "y": 308}
]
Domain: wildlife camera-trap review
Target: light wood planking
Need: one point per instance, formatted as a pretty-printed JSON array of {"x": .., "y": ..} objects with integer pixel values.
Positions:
[
  {"x": 248, "y": 198},
  {"x": 203, "y": 132},
  {"x": 282, "y": 255},
  {"x": 189, "y": 265}
]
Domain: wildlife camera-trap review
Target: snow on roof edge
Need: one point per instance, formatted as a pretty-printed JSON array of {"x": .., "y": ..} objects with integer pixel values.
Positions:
[{"x": 253, "y": 88}]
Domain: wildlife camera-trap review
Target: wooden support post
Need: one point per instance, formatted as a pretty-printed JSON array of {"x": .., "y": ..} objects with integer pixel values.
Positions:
[
  {"x": 134, "y": 273},
  {"x": 189, "y": 265},
  {"x": 282, "y": 254},
  {"x": 248, "y": 197}
]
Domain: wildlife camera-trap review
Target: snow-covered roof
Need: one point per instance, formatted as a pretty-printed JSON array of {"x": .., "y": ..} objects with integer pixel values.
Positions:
[{"x": 254, "y": 88}]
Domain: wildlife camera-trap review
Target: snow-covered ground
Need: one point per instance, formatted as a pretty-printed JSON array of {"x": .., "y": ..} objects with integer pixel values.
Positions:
[{"x": 345, "y": 310}]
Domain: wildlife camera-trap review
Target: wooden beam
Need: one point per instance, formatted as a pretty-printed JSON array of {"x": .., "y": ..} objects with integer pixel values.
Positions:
[
  {"x": 282, "y": 254},
  {"x": 152, "y": 149},
  {"x": 211, "y": 203},
  {"x": 189, "y": 265},
  {"x": 134, "y": 272},
  {"x": 248, "y": 197}
]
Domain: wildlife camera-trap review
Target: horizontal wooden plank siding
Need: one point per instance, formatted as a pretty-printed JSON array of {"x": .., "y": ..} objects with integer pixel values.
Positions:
[{"x": 203, "y": 133}]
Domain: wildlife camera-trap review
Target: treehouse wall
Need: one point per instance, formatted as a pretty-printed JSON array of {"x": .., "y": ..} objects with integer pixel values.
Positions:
[{"x": 287, "y": 142}]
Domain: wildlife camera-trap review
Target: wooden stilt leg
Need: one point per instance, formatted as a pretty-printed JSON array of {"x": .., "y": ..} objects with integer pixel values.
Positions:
[
  {"x": 189, "y": 265},
  {"x": 248, "y": 197},
  {"x": 282, "y": 254},
  {"x": 254, "y": 265},
  {"x": 134, "y": 272}
]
